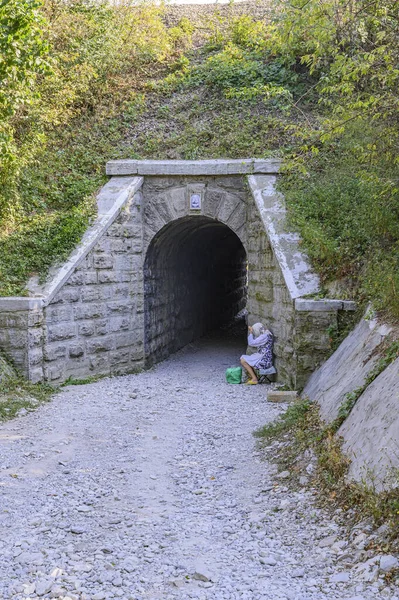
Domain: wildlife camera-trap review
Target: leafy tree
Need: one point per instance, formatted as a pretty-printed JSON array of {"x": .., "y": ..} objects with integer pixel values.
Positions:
[{"x": 23, "y": 58}]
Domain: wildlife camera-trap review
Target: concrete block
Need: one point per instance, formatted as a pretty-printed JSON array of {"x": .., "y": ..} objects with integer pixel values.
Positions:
[
  {"x": 120, "y": 307},
  {"x": 66, "y": 295},
  {"x": 86, "y": 329},
  {"x": 100, "y": 364},
  {"x": 90, "y": 311},
  {"x": 36, "y": 374},
  {"x": 100, "y": 345},
  {"x": 53, "y": 352},
  {"x": 101, "y": 327},
  {"x": 103, "y": 261},
  {"x": 76, "y": 350},
  {"x": 56, "y": 333},
  {"x": 276, "y": 396},
  {"x": 324, "y": 305},
  {"x": 192, "y": 167},
  {"x": 349, "y": 305}
]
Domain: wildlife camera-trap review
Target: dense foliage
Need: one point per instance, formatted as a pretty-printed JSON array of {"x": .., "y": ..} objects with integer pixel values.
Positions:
[{"x": 315, "y": 82}]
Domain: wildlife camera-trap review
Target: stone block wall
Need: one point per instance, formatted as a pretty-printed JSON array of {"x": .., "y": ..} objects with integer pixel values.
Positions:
[
  {"x": 156, "y": 271},
  {"x": 269, "y": 300},
  {"x": 21, "y": 321},
  {"x": 195, "y": 268},
  {"x": 94, "y": 324}
]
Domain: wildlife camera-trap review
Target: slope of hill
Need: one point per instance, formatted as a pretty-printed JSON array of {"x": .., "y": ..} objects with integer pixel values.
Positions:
[{"x": 313, "y": 83}]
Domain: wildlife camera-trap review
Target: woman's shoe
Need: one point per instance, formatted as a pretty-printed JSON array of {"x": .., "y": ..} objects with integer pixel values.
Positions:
[{"x": 251, "y": 382}]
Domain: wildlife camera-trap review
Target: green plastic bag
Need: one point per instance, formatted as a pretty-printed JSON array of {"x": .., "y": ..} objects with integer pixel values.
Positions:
[{"x": 234, "y": 375}]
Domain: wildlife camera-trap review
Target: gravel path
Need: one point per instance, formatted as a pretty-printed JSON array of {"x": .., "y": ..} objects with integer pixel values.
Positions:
[{"x": 150, "y": 486}]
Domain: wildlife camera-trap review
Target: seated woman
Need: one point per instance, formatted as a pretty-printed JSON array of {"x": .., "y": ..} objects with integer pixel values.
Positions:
[{"x": 262, "y": 339}]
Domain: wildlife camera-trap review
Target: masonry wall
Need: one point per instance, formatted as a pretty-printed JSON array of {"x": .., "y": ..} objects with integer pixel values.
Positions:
[
  {"x": 14, "y": 338},
  {"x": 195, "y": 267},
  {"x": 162, "y": 274},
  {"x": 94, "y": 325},
  {"x": 269, "y": 300}
]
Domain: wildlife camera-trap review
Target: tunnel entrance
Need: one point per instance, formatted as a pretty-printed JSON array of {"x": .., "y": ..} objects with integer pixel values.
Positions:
[{"x": 195, "y": 279}]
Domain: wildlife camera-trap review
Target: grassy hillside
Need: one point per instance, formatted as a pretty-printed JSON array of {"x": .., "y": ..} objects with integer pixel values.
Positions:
[{"x": 314, "y": 84}]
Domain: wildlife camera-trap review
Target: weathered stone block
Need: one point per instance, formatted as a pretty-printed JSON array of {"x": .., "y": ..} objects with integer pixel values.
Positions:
[
  {"x": 119, "y": 323},
  {"x": 103, "y": 261},
  {"x": 122, "y": 340},
  {"x": 90, "y": 311},
  {"x": 120, "y": 291},
  {"x": 65, "y": 331},
  {"x": 35, "y": 337},
  {"x": 77, "y": 278},
  {"x": 90, "y": 293},
  {"x": 52, "y": 373},
  {"x": 35, "y": 318},
  {"x": 35, "y": 357},
  {"x": 14, "y": 320},
  {"x": 86, "y": 329},
  {"x": 58, "y": 313},
  {"x": 100, "y": 345},
  {"x": 123, "y": 262},
  {"x": 36, "y": 374},
  {"x": 53, "y": 352},
  {"x": 76, "y": 350},
  {"x": 121, "y": 356},
  {"x": 120, "y": 306},
  {"x": 90, "y": 277},
  {"x": 100, "y": 364},
  {"x": 101, "y": 327},
  {"x": 108, "y": 277},
  {"x": 66, "y": 294}
]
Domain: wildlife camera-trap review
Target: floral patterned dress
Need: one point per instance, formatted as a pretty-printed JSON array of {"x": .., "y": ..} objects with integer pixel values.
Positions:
[{"x": 263, "y": 358}]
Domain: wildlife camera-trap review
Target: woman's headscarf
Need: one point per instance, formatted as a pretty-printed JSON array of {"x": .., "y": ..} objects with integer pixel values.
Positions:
[{"x": 258, "y": 329}]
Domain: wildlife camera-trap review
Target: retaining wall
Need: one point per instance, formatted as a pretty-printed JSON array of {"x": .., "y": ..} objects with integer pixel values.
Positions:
[{"x": 156, "y": 271}]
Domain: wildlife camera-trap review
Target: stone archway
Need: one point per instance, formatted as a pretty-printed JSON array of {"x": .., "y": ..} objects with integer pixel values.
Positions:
[{"x": 194, "y": 280}]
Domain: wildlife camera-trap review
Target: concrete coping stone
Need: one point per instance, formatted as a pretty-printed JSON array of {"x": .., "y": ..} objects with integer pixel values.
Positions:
[
  {"x": 294, "y": 264},
  {"x": 281, "y": 396},
  {"x": 111, "y": 199},
  {"x": 20, "y": 303},
  {"x": 324, "y": 305},
  {"x": 193, "y": 167}
]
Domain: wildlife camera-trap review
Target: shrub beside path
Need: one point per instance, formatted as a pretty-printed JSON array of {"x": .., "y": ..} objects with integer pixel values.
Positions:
[{"x": 151, "y": 486}]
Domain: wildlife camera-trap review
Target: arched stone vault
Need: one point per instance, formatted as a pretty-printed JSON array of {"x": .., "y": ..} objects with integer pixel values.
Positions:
[
  {"x": 164, "y": 262},
  {"x": 194, "y": 281}
]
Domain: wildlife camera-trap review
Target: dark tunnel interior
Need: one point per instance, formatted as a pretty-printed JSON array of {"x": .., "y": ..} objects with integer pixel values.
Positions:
[{"x": 194, "y": 281}]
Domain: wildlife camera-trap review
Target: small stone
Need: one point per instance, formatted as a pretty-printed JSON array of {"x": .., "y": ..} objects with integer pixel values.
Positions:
[
  {"x": 298, "y": 573},
  {"x": 283, "y": 475},
  {"x": 200, "y": 577},
  {"x": 77, "y": 530},
  {"x": 303, "y": 480},
  {"x": 340, "y": 578},
  {"x": 268, "y": 560},
  {"x": 388, "y": 563},
  {"x": 328, "y": 541},
  {"x": 310, "y": 469},
  {"x": 43, "y": 586},
  {"x": 29, "y": 588}
]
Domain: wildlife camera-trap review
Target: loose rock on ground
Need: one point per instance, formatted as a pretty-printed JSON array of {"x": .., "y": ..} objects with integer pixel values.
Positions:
[{"x": 151, "y": 486}]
